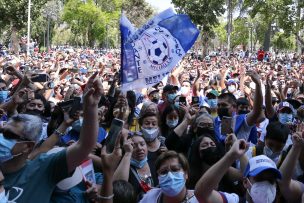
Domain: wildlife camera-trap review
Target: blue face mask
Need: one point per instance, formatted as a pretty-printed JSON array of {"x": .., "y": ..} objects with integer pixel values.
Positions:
[
  {"x": 176, "y": 104},
  {"x": 172, "y": 123},
  {"x": 6, "y": 147},
  {"x": 139, "y": 164},
  {"x": 3, "y": 96},
  {"x": 172, "y": 183},
  {"x": 285, "y": 118},
  {"x": 212, "y": 103},
  {"x": 171, "y": 97}
]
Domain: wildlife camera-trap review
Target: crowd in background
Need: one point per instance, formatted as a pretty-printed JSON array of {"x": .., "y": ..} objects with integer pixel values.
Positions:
[{"x": 220, "y": 128}]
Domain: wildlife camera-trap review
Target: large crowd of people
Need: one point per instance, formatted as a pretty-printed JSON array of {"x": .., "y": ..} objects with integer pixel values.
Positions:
[{"x": 219, "y": 129}]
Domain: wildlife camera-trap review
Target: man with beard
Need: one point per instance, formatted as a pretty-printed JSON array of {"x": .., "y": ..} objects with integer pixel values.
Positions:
[{"x": 242, "y": 124}]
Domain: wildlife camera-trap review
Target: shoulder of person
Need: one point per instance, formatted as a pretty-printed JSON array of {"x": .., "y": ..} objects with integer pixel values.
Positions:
[{"x": 151, "y": 196}]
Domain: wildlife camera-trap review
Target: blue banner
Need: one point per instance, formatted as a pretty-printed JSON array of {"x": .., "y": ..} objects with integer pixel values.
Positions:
[{"x": 151, "y": 52}]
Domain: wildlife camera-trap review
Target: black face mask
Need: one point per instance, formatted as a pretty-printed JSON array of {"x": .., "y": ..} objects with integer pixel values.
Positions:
[
  {"x": 205, "y": 131},
  {"x": 243, "y": 112},
  {"x": 34, "y": 112},
  {"x": 155, "y": 100},
  {"x": 221, "y": 112},
  {"x": 210, "y": 155}
]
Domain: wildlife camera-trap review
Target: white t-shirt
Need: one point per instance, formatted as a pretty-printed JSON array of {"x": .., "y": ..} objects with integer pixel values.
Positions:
[{"x": 153, "y": 197}]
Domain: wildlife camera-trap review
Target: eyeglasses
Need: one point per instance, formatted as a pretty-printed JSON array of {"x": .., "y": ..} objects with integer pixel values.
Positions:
[{"x": 13, "y": 136}]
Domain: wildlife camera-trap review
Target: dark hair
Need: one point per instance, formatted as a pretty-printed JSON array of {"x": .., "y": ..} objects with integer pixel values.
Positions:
[
  {"x": 145, "y": 115},
  {"x": 3, "y": 81},
  {"x": 123, "y": 192},
  {"x": 230, "y": 97},
  {"x": 277, "y": 131},
  {"x": 196, "y": 169},
  {"x": 163, "y": 126},
  {"x": 171, "y": 155},
  {"x": 242, "y": 101},
  {"x": 131, "y": 97}
]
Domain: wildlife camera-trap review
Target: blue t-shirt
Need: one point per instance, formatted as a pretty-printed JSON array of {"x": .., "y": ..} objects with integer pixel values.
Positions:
[
  {"x": 36, "y": 181},
  {"x": 73, "y": 135}
]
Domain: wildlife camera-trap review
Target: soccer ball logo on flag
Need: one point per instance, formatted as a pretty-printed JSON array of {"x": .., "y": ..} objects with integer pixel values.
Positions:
[{"x": 158, "y": 52}]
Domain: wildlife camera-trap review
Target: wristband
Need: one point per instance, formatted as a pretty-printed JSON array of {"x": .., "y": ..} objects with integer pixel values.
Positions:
[
  {"x": 99, "y": 197},
  {"x": 58, "y": 133}
]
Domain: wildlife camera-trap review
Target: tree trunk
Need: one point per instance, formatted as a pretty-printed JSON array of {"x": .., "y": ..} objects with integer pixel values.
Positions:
[
  {"x": 266, "y": 43},
  {"x": 14, "y": 41}
]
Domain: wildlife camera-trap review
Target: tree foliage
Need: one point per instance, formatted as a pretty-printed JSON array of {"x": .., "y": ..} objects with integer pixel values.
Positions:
[
  {"x": 15, "y": 11},
  {"x": 203, "y": 13}
]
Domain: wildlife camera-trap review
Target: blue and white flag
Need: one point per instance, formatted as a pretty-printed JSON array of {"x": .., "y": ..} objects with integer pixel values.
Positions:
[{"x": 151, "y": 52}]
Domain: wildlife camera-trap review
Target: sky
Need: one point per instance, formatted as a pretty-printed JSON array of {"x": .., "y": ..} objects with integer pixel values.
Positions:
[{"x": 160, "y": 5}]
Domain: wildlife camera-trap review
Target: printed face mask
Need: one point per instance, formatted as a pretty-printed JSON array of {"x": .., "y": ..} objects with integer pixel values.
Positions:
[{"x": 172, "y": 183}]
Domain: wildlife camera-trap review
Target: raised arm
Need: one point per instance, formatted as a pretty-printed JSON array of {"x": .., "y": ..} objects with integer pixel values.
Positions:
[
  {"x": 292, "y": 190},
  {"x": 51, "y": 141},
  {"x": 182, "y": 127},
  {"x": 109, "y": 164},
  {"x": 123, "y": 169},
  {"x": 79, "y": 151},
  {"x": 270, "y": 112},
  {"x": 254, "y": 115},
  {"x": 205, "y": 187}
]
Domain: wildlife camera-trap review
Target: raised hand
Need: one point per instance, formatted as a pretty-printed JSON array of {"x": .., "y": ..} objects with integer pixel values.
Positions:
[
  {"x": 93, "y": 91},
  {"x": 110, "y": 162},
  {"x": 254, "y": 76},
  {"x": 22, "y": 96},
  {"x": 238, "y": 149}
]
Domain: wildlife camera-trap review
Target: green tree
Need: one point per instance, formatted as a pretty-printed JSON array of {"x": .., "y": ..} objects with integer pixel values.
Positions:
[
  {"x": 284, "y": 13},
  {"x": 240, "y": 33},
  {"x": 86, "y": 20},
  {"x": 282, "y": 41},
  {"x": 203, "y": 13},
  {"x": 14, "y": 14}
]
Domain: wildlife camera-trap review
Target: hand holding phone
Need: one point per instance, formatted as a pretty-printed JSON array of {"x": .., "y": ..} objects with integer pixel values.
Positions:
[
  {"x": 182, "y": 100},
  {"x": 226, "y": 125}
]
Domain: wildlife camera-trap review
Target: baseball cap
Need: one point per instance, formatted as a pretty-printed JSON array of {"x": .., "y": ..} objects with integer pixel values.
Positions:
[
  {"x": 151, "y": 89},
  {"x": 214, "y": 92},
  {"x": 259, "y": 164},
  {"x": 285, "y": 104},
  {"x": 231, "y": 81},
  {"x": 168, "y": 88}
]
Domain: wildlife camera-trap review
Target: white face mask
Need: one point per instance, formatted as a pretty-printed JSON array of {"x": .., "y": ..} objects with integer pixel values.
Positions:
[
  {"x": 263, "y": 192},
  {"x": 150, "y": 134},
  {"x": 231, "y": 88},
  {"x": 184, "y": 90},
  {"x": 3, "y": 197}
]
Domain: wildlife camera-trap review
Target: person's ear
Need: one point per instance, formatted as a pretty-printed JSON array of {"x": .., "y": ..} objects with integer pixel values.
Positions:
[{"x": 186, "y": 176}]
